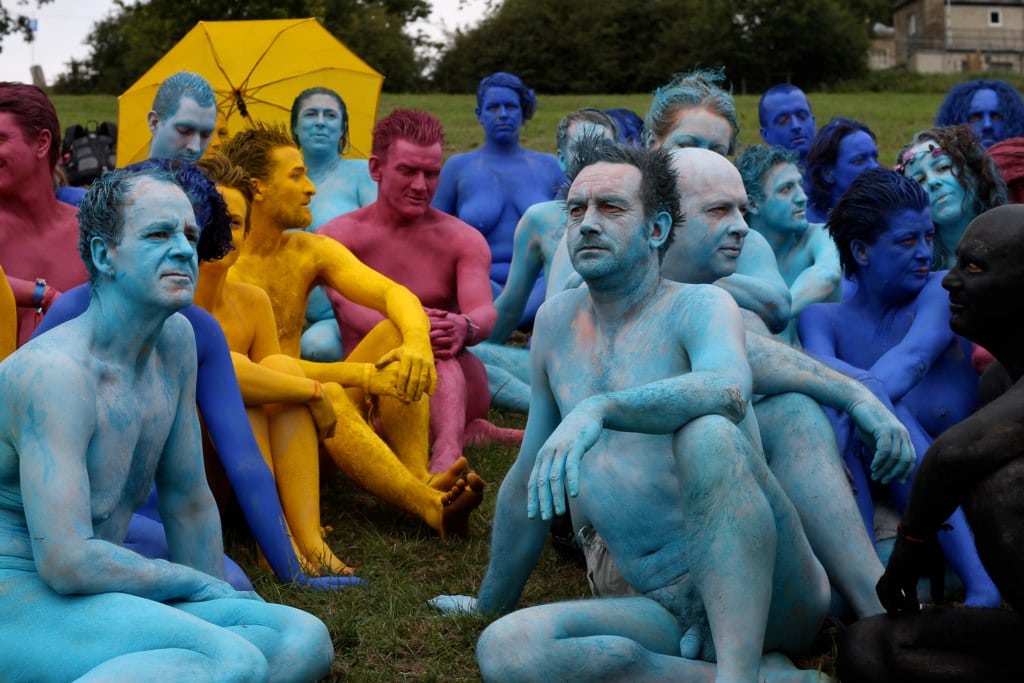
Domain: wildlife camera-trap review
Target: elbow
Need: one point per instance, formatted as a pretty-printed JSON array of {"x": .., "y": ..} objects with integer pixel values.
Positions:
[
  {"x": 777, "y": 313},
  {"x": 65, "y": 575},
  {"x": 734, "y": 405}
]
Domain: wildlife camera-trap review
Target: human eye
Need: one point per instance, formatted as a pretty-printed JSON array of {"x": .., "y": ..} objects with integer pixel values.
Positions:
[
  {"x": 185, "y": 130},
  {"x": 782, "y": 119},
  {"x": 575, "y": 210},
  {"x": 973, "y": 118},
  {"x": 192, "y": 235},
  {"x": 996, "y": 116},
  {"x": 802, "y": 115}
]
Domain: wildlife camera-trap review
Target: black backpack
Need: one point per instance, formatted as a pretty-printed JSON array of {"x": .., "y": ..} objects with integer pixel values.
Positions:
[{"x": 88, "y": 151}]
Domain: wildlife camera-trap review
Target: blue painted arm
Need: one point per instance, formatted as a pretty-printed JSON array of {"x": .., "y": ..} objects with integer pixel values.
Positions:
[{"x": 220, "y": 404}]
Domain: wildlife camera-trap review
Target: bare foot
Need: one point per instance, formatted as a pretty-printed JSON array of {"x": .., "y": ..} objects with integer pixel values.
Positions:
[
  {"x": 325, "y": 563},
  {"x": 458, "y": 502},
  {"x": 443, "y": 481},
  {"x": 479, "y": 432}
]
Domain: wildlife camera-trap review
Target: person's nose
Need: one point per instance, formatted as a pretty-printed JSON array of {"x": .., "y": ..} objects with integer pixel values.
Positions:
[
  {"x": 923, "y": 250},
  {"x": 194, "y": 143},
  {"x": 800, "y": 198},
  {"x": 181, "y": 248},
  {"x": 419, "y": 181},
  {"x": 986, "y": 122},
  {"x": 737, "y": 224},
  {"x": 952, "y": 282},
  {"x": 871, "y": 163}
]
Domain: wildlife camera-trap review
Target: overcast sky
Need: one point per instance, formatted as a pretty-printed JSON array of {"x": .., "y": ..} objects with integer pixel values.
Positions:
[{"x": 64, "y": 24}]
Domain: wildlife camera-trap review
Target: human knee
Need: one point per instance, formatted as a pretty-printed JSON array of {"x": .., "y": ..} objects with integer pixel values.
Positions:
[
  {"x": 504, "y": 653},
  {"x": 236, "y": 660},
  {"x": 710, "y": 450},
  {"x": 322, "y": 342},
  {"x": 305, "y": 646}
]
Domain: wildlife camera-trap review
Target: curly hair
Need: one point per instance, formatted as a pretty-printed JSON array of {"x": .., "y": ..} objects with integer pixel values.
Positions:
[
  {"x": 972, "y": 165},
  {"x": 823, "y": 154},
  {"x": 863, "y": 212},
  {"x": 955, "y": 108},
  {"x": 699, "y": 88},
  {"x": 319, "y": 90},
  {"x": 501, "y": 79},
  {"x": 659, "y": 185}
]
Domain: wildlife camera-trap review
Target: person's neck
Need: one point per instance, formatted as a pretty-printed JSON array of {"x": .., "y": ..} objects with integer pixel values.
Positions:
[
  {"x": 948, "y": 236},
  {"x": 502, "y": 146},
  {"x": 387, "y": 218},
  {"x": 33, "y": 203},
  {"x": 781, "y": 241},
  {"x": 210, "y": 287},
  {"x": 618, "y": 296},
  {"x": 124, "y": 332},
  {"x": 877, "y": 298},
  {"x": 265, "y": 234},
  {"x": 320, "y": 164}
]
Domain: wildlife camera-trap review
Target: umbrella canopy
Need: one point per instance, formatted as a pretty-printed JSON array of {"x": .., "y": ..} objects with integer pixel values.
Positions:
[{"x": 256, "y": 69}]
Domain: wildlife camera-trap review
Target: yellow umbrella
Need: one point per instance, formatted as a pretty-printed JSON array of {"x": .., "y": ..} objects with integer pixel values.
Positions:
[{"x": 256, "y": 69}]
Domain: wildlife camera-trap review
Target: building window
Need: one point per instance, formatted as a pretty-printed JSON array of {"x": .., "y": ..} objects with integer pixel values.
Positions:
[
  {"x": 912, "y": 25},
  {"x": 995, "y": 17}
]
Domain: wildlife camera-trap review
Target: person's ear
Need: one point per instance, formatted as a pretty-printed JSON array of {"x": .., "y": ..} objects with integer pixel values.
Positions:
[
  {"x": 153, "y": 121},
  {"x": 752, "y": 208},
  {"x": 764, "y": 134},
  {"x": 258, "y": 190},
  {"x": 859, "y": 252},
  {"x": 43, "y": 142},
  {"x": 477, "y": 110},
  {"x": 828, "y": 174},
  {"x": 563, "y": 163},
  {"x": 661, "y": 227},
  {"x": 101, "y": 254},
  {"x": 376, "y": 164}
]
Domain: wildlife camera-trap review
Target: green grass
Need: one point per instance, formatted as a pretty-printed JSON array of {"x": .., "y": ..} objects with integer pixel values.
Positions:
[
  {"x": 894, "y": 117},
  {"x": 385, "y": 631}
]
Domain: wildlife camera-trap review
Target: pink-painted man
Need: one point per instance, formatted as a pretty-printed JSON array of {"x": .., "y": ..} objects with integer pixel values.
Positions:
[
  {"x": 30, "y": 214},
  {"x": 442, "y": 260}
]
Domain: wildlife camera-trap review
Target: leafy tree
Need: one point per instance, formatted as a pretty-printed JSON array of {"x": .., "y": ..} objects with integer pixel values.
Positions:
[
  {"x": 127, "y": 43},
  {"x": 635, "y": 45},
  {"x": 12, "y": 21}
]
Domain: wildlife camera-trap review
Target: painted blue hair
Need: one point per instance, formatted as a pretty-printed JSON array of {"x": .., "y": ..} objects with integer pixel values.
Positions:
[
  {"x": 823, "y": 154},
  {"x": 501, "y": 79},
  {"x": 863, "y": 211},
  {"x": 630, "y": 125},
  {"x": 700, "y": 88},
  {"x": 319, "y": 90},
  {"x": 755, "y": 161},
  {"x": 179, "y": 85},
  {"x": 777, "y": 89},
  {"x": 956, "y": 106}
]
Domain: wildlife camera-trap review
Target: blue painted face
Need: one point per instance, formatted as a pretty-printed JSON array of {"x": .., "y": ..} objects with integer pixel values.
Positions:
[
  {"x": 319, "y": 124},
  {"x": 698, "y": 127},
  {"x": 604, "y": 212},
  {"x": 933, "y": 170},
  {"x": 579, "y": 130},
  {"x": 857, "y": 153},
  {"x": 986, "y": 117},
  {"x": 185, "y": 134},
  {"x": 901, "y": 258},
  {"x": 157, "y": 255},
  {"x": 784, "y": 207},
  {"x": 501, "y": 114},
  {"x": 789, "y": 122}
]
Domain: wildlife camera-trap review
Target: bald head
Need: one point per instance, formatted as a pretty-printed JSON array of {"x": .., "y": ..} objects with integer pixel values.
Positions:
[
  {"x": 712, "y": 200},
  {"x": 696, "y": 168},
  {"x": 986, "y": 282}
]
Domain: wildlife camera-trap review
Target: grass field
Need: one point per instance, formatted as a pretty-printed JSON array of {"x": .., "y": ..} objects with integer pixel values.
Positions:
[
  {"x": 385, "y": 631},
  {"x": 893, "y": 117}
]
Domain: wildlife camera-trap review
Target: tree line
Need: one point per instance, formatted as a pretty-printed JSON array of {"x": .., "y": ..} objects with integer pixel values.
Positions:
[{"x": 556, "y": 46}]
